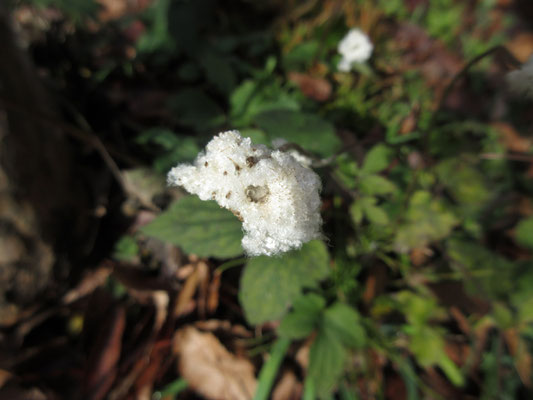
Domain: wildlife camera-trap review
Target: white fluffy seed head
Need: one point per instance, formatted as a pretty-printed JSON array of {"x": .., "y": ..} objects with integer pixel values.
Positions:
[
  {"x": 520, "y": 81},
  {"x": 354, "y": 48},
  {"x": 276, "y": 198}
]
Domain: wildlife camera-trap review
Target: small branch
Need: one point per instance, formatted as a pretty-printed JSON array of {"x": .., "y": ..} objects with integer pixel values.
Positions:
[
  {"x": 497, "y": 49},
  {"x": 512, "y": 157},
  {"x": 88, "y": 137}
]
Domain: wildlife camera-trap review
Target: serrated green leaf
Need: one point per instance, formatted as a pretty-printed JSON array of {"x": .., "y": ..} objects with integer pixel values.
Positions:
[
  {"x": 326, "y": 363},
  {"x": 198, "y": 227},
  {"x": 524, "y": 232},
  {"x": 375, "y": 214},
  {"x": 486, "y": 268},
  {"x": 307, "y": 130},
  {"x": 301, "y": 321},
  {"x": 253, "y": 97},
  {"x": 427, "y": 345},
  {"x": 377, "y": 159},
  {"x": 426, "y": 220},
  {"x": 376, "y": 185},
  {"x": 465, "y": 183},
  {"x": 310, "y": 303},
  {"x": 343, "y": 322},
  {"x": 269, "y": 285},
  {"x": 297, "y": 325}
]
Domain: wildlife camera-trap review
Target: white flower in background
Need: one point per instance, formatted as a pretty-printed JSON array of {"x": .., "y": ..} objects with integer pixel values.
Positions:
[
  {"x": 520, "y": 81},
  {"x": 275, "y": 197},
  {"x": 354, "y": 48}
]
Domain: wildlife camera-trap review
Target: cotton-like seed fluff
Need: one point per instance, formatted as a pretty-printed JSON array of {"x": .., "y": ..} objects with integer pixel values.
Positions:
[{"x": 276, "y": 198}]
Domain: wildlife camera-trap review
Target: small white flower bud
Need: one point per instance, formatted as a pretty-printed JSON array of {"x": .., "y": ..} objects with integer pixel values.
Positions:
[
  {"x": 520, "y": 81},
  {"x": 276, "y": 198},
  {"x": 355, "y": 48}
]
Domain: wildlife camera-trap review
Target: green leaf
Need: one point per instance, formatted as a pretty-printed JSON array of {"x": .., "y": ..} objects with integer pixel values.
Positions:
[
  {"x": 308, "y": 130},
  {"x": 172, "y": 148},
  {"x": 219, "y": 71},
  {"x": 326, "y": 363},
  {"x": 126, "y": 249},
  {"x": 524, "y": 233},
  {"x": 301, "y": 55},
  {"x": 198, "y": 227},
  {"x": 297, "y": 325},
  {"x": 426, "y": 220},
  {"x": 465, "y": 183},
  {"x": 356, "y": 211},
  {"x": 484, "y": 267},
  {"x": 301, "y": 321},
  {"x": 156, "y": 37},
  {"x": 343, "y": 322},
  {"x": 254, "y": 97},
  {"x": 375, "y": 214},
  {"x": 192, "y": 107},
  {"x": 377, "y": 159},
  {"x": 269, "y": 285},
  {"x": 257, "y": 136},
  {"x": 427, "y": 345},
  {"x": 376, "y": 185}
]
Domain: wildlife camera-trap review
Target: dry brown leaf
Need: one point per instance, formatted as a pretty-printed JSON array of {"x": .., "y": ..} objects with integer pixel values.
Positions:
[
  {"x": 457, "y": 351},
  {"x": 409, "y": 123},
  {"x": 440, "y": 384},
  {"x": 318, "y": 89},
  {"x": 420, "y": 255},
  {"x": 203, "y": 287},
  {"x": 521, "y": 46},
  {"x": 376, "y": 282},
  {"x": 88, "y": 284},
  {"x": 210, "y": 369},
  {"x": 186, "y": 294},
  {"x": 511, "y": 139},
  {"x": 115, "y": 9},
  {"x": 213, "y": 292},
  {"x": 395, "y": 388},
  {"x": 5, "y": 376},
  {"x": 102, "y": 367},
  {"x": 461, "y": 320},
  {"x": 288, "y": 387},
  {"x": 521, "y": 356},
  {"x": 302, "y": 355}
]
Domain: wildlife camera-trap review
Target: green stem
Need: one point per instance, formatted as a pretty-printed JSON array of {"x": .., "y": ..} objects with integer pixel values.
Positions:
[
  {"x": 230, "y": 264},
  {"x": 309, "y": 390},
  {"x": 270, "y": 369}
]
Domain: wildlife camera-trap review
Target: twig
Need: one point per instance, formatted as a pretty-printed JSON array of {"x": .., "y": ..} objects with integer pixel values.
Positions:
[
  {"x": 79, "y": 134},
  {"x": 457, "y": 77},
  {"x": 512, "y": 156},
  {"x": 85, "y": 136}
]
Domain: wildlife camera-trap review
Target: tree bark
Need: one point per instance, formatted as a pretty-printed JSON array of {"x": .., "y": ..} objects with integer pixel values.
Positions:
[{"x": 43, "y": 210}]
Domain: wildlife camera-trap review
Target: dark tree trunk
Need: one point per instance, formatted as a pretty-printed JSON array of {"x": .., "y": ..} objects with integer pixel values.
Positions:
[{"x": 43, "y": 208}]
